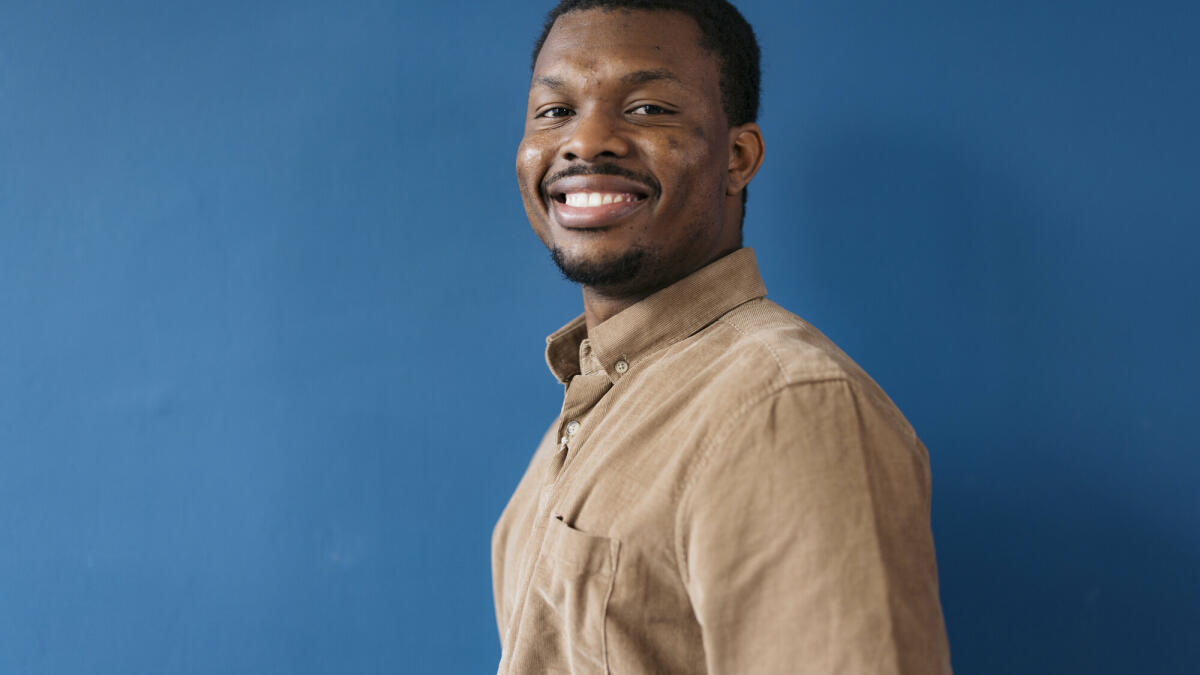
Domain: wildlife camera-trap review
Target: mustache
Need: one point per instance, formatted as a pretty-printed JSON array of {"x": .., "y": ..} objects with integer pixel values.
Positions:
[{"x": 603, "y": 169}]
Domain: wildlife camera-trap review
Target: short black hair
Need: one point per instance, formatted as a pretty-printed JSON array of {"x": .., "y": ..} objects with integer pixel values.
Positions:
[{"x": 723, "y": 31}]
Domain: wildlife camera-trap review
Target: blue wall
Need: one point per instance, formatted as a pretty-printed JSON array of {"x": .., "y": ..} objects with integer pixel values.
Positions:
[{"x": 271, "y": 317}]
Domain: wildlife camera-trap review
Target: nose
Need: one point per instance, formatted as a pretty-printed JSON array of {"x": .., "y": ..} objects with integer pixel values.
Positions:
[{"x": 594, "y": 135}]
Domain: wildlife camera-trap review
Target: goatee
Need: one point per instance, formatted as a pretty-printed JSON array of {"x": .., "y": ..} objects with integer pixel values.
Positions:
[{"x": 601, "y": 273}]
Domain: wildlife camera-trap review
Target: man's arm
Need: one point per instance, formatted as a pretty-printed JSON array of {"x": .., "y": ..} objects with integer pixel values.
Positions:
[{"x": 804, "y": 539}]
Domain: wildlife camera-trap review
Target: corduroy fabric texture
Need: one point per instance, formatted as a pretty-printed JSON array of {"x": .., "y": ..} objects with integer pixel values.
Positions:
[{"x": 724, "y": 491}]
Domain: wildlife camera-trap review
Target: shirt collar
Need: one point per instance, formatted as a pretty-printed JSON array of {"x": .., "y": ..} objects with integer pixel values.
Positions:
[{"x": 663, "y": 318}]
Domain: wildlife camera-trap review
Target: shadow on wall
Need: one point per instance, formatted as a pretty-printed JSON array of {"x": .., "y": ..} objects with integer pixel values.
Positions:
[{"x": 977, "y": 302}]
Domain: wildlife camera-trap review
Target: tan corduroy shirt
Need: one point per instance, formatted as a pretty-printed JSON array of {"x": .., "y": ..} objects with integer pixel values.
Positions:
[{"x": 724, "y": 491}]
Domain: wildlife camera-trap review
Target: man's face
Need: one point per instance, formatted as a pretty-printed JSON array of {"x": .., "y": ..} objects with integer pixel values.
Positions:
[{"x": 624, "y": 166}]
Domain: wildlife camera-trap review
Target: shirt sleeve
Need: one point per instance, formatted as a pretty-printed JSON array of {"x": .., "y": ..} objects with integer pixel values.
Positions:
[{"x": 804, "y": 539}]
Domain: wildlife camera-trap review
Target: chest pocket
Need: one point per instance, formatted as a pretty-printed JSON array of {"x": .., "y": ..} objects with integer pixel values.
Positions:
[{"x": 571, "y": 586}]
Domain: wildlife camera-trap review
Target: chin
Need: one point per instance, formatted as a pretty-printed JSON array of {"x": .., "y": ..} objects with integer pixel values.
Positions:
[{"x": 611, "y": 270}]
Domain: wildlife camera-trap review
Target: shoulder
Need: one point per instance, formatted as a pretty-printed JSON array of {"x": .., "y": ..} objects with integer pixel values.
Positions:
[
  {"x": 791, "y": 350},
  {"x": 775, "y": 382},
  {"x": 760, "y": 348}
]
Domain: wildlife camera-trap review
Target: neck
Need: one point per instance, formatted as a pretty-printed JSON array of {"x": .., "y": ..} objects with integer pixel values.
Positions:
[{"x": 601, "y": 304}]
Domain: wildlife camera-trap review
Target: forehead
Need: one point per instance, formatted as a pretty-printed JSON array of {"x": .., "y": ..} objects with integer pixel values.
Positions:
[{"x": 596, "y": 42}]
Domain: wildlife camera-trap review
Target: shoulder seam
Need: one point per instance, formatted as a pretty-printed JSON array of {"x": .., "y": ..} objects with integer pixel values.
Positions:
[
  {"x": 787, "y": 378},
  {"x": 771, "y": 350}
]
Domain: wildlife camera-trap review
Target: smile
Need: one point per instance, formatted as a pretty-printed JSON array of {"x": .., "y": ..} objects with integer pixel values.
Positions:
[
  {"x": 592, "y": 199},
  {"x": 593, "y": 202},
  {"x": 594, "y": 210}
]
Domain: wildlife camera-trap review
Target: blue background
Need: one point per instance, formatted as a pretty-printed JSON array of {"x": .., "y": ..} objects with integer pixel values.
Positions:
[{"x": 271, "y": 317}]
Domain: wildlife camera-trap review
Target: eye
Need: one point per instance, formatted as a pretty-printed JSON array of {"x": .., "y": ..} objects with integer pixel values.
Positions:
[
  {"x": 555, "y": 112},
  {"x": 650, "y": 109}
]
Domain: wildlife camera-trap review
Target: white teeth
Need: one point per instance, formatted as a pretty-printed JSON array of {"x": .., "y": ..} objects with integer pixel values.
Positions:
[{"x": 588, "y": 199}]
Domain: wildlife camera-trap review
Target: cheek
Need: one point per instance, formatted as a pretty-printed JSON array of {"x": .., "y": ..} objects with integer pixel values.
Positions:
[
  {"x": 696, "y": 167},
  {"x": 529, "y": 167},
  {"x": 698, "y": 175},
  {"x": 529, "y": 163}
]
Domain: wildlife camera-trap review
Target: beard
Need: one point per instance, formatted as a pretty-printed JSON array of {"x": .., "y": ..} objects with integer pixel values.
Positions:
[{"x": 600, "y": 273}]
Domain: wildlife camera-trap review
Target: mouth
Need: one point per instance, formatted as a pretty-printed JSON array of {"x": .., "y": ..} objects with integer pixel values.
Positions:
[{"x": 596, "y": 201}]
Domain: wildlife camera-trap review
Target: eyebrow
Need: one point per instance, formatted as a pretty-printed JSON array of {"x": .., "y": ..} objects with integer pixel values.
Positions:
[
  {"x": 643, "y": 76},
  {"x": 551, "y": 82},
  {"x": 636, "y": 78}
]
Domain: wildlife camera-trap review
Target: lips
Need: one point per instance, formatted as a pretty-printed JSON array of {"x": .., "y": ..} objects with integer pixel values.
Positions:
[{"x": 595, "y": 201}]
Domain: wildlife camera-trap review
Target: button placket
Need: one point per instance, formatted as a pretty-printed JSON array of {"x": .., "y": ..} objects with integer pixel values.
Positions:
[{"x": 582, "y": 393}]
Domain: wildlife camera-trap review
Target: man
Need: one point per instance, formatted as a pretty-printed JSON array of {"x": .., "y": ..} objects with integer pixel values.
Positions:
[{"x": 724, "y": 491}]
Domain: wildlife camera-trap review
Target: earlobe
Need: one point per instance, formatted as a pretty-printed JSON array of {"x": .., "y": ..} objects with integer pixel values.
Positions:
[{"x": 745, "y": 155}]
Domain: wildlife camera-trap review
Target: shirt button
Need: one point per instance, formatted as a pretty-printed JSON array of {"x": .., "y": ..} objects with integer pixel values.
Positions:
[
  {"x": 622, "y": 366},
  {"x": 572, "y": 427}
]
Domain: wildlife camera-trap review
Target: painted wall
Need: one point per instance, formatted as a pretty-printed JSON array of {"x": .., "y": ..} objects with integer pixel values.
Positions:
[{"x": 271, "y": 317}]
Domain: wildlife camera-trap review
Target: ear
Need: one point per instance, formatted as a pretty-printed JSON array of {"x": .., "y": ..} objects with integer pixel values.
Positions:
[{"x": 745, "y": 156}]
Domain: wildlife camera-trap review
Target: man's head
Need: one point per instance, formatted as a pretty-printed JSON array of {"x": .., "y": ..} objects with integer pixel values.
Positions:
[{"x": 647, "y": 107}]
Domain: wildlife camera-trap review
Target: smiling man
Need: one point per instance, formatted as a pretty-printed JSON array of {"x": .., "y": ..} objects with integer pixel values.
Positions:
[{"x": 724, "y": 490}]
